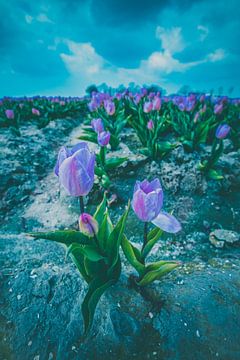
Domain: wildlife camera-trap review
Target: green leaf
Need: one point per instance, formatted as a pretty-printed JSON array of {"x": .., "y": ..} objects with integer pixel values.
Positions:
[
  {"x": 99, "y": 171},
  {"x": 151, "y": 276},
  {"x": 114, "y": 142},
  {"x": 115, "y": 238},
  {"x": 89, "y": 137},
  {"x": 90, "y": 251},
  {"x": 66, "y": 237},
  {"x": 78, "y": 259},
  {"x": 153, "y": 236},
  {"x": 213, "y": 174},
  {"x": 105, "y": 230},
  {"x": 129, "y": 252},
  {"x": 96, "y": 289},
  {"x": 114, "y": 162},
  {"x": 99, "y": 214}
]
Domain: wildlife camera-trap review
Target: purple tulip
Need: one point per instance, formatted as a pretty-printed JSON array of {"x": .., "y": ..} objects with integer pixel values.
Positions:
[
  {"x": 137, "y": 99},
  {"x": 9, "y": 114},
  {"x": 109, "y": 107},
  {"x": 93, "y": 105},
  {"x": 97, "y": 125},
  {"x": 156, "y": 103},
  {"x": 147, "y": 199},
  {"x": 147, "y": 204},
  {"x": 75, "y": 169},
  {"x": 218, "y": 108},
  {"x": 150, "y": 125},
  {"x": 103, "y": 138},
  {"x": 222, "y": 131},
  {"x": 35, "y": 112},
  {"x": 147, "y": 107},
  {"x": 88, "y": 225}
]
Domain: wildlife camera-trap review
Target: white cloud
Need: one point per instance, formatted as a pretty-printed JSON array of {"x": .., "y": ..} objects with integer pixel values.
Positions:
[
  {"x": 44, "y": 18},
  {"x": 217, "y": 55},
  {"x": 86, "y": 66},
  {"x": 204, "y": 31},
  {"x": 28, "y": 19},
  {"x": 171, "y": 39}
]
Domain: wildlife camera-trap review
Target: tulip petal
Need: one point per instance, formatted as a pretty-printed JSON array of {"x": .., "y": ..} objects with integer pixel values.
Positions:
[{"x": 167, "y": 222}]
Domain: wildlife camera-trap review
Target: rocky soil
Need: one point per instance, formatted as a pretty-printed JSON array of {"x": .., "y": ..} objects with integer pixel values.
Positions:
[{"x": 194, "y": 313}]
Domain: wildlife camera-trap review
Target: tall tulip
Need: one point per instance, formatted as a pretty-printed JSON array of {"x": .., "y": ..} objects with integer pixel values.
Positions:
[{"x": 75, "y": 169}]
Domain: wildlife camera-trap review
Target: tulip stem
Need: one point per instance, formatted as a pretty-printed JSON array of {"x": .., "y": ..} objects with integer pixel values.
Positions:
[
  {"x": 145, "y": 233},
  {"x": 81, "y": 203}
]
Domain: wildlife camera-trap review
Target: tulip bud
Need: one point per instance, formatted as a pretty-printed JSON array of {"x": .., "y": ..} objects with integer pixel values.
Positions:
[
  {"x": 222, "y": 131},
  {"x": 9, "y": 114},
  {"x": 218, "y": 108},
  {"x": 109, "y": 107},
  {"x": 150, "y": 125},
  {"x": 147, "y": 107},
  {"x": 88, "y": 225},
  {"x": 104, "y": 138},
  {"x": 97, "y": 125},
  {"x": 35, "y": 112},
  {"x": 156, "y": 103},
  {"x": 196, "y": 117}
]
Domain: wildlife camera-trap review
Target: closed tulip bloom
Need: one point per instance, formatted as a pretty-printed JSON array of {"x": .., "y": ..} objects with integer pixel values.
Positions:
[
  {"x": 104, "y": 138},
  {"x": 64, "y": 153},
  {"x": 147, "y": 204},
  {"x": 147, "y": 199},
  {"x": 156, "y": 103},
  {"x": 9, "y": 114},
  {"x": 222, "y": 131},
  {"x": 76, "y": 172},
  {"x": 97, "y": 125},
  {"x": 35, "y": 112},
  {"x": 109, "y": 107},
  {"x": 147, "y": 107},
  {"x": 196, "y": 117},
  {"x": 150, "y": 125},
  {"x": 88, "y": 225},
  {"x": 218, "y": 108}
]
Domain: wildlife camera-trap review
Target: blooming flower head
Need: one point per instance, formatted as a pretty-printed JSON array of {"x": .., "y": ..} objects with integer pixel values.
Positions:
[
  {"x": 88, "y": 225},
  {"x": 147, "y": 107},
  {"x": 75, "y": 169},
  {"x": 150, "y": 125},
  {"x": 147, "y": 199},
  {"x": 218, "y": 108},
  {"x": 222, "y": 131},
  {"x": 104, "y": 138},
  {"x": 9, "y": 114},
  {"x": 147, "y": 204},
  {"x": 137, "y": 99},
  {"x": 97, "y": 125},
  {"x": 156, "y": 103},
  {"x": 35, "y": 112},
  {"x": 93, "y": 105},
  {"x": 109, "y": 107}
]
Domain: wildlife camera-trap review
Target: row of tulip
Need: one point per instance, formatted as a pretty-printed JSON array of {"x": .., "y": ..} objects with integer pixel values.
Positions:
[{"x": 15, "y": 111}]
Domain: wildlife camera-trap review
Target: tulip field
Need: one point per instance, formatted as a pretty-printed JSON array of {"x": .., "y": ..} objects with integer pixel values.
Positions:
[{"x": 120, "y": 229}]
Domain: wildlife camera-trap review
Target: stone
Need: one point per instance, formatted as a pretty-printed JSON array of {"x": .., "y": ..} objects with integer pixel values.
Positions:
[{"x": 220, "y": 237}]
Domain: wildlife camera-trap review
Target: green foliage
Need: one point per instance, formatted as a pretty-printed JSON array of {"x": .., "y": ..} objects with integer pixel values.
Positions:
[
  {"x": 147, "y": 272},
  {"x": 208, "y": 166},
  {"x": 97, "y": 258}
]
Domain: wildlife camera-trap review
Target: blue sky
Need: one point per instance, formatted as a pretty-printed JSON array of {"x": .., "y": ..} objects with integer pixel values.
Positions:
[{"x": 61, "y": 46}]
